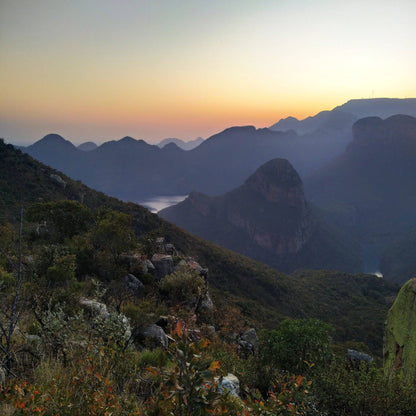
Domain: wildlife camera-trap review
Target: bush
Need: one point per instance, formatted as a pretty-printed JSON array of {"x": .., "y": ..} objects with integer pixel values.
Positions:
[
  {"x": 362, "y": 391},
  {"x": 297, "y": 346},
  {"x": 183, "y": 286}
]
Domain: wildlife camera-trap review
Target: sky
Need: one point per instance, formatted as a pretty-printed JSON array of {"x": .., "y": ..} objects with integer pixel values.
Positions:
[{"x": 100, "y": 70}]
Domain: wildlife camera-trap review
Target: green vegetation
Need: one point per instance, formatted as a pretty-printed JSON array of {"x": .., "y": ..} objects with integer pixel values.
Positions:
[{"x": 72, "y": 333}]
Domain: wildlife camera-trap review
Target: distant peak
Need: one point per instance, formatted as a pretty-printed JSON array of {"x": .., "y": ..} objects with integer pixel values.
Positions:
[
  {"x": 277, "y": 181},
  {"x": 277, "y": 171},
  {"x": 240, "y": 129},
  {"x": 87, "y": 146},
  {"x": 53, "y": 137},
  {"x": 171, "y": 146},
  {"x": 52, "y": 140},
  {"x": 290, "y": 118},
  {"x": 127, "y": 139}
]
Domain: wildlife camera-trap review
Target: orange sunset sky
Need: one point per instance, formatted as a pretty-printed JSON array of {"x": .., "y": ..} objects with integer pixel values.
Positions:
[{"x": 100, "y": 70}]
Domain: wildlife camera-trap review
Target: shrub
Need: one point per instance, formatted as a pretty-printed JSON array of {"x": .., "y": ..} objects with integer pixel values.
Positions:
[
  {"x": 297, "y": 346},
  {"x": 183, "y": 286}
]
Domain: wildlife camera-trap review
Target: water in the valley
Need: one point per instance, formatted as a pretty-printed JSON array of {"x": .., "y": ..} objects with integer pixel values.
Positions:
[{"x": 156, "y": 203}]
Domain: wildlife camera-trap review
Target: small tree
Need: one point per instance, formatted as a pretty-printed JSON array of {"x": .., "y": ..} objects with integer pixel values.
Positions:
[{"x": 297, "y": 345}]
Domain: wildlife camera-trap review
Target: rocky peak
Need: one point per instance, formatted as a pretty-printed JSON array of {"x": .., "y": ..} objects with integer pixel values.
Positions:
[
  {"x": 277, "y": 181},
  {"x": 374, "y": 130}
]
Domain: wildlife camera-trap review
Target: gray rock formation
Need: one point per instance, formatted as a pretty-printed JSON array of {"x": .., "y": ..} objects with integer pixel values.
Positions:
[
  {"x": 156, "y": 333},
  {"x": 133, "y": 285},
  {"x": 148, "y": 267},
  {"x": 94, "y": 307},
  {"x": 230, "y": 383},
  {"x": 358, "y": 356},
  {"x": 248, "y": 341},
  {"x": 163, "y": 265},
  {"x": 58, "y": 180}
]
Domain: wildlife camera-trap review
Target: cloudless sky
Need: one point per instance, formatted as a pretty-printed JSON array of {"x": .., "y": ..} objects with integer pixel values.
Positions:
[{"x": 100, "y": 69}]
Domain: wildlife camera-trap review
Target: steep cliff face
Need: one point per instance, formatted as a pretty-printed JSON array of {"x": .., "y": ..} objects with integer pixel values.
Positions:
[
  {"x": 400, "y": 339},
  {"x": 281, "y": 221},
  {"x": 267, "y": 218},
  {"x": 370, "y": 188}
]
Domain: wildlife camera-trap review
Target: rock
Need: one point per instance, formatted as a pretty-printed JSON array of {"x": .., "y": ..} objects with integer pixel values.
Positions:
[
  {"x": 156, "y": 333},
  {"x": 248, "y": 341},
  {"x": 163, "y": 264},
  {"x": 400, "y": 340},
  {"x": 230, "y": 383},
  {"x": 194, "y": 265},
  {"x": 354, "y": 355},
  {"x": 94, "y": 307},
  {"x": 170, "y": 249},
  {"x": 133, "y": 285},
  {"x": 148, "y": 267},
  {"x": 58, "y": 180},
  {"x": 207, "y": 304}
]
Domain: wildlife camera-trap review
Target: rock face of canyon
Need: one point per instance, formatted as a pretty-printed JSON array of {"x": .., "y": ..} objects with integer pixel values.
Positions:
[{"x": 267, "y": 218}]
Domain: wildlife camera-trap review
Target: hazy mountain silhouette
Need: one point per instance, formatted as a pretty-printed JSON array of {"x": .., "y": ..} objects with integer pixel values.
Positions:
[
  {"x": 87, "y": 146},
  {"x": 267, "y": 218},
  {"x": 182, "y": 144},
  {"x": 351, "y": 110},
  {"x": 132, "y": 169},
  {"x": 371, "y": 188}
]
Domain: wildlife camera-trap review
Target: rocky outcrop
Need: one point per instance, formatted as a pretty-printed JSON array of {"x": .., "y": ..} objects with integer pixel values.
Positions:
[
  {"x": 156, "y": 334},
  {"x": 400, "y": 339},
  {"x": 163, "y": 264},
  {"x": 230, "y": 383},
  {"x": 133, "y": 285},
  {"x": 57, "y": 179},
  {"x": 358, "y": 357},
  {"x": 94, "y": 307},
  {"x": 248, "y": 342},
  {"x": 148, "y": 267}
]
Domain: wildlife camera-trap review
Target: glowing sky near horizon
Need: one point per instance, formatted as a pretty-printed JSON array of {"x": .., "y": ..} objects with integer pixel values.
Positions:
[{"x": 100, "y": 69}]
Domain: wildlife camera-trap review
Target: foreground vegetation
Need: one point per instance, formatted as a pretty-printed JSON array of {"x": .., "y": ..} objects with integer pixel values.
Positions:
[{"x": 59, "y": 357}]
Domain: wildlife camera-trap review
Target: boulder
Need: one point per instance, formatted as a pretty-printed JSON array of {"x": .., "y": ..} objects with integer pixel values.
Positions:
[
  {"x": 133, "y": 285},
  {"x": 230, "y": 383},
  {"x": 248, "y": 341},
  {"x": 57, "y": 179},
  {"x": 163, "y": 264},
  {"x": 148, "y": 267},
  {"x": 94, "y": 307},
  {"x": 170, "y": 249},
  {"x": 358, "y": 356},
  {"x": 400, "y": 339},
  {"x": 156, "y": 333},
  {"x": 194, "y": 265},
  {"x": 207, "y": 304}
]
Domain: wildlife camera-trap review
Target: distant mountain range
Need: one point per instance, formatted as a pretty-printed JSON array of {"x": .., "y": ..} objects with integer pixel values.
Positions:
[
  {"x": 182, "y": 144},
  {"x": 267, "y": 218},
  {"x": 132, "y": 169},
  {"x": 348, "y": 113}
]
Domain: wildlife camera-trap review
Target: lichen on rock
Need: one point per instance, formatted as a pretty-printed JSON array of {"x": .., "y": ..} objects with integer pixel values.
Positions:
[{"x": 400, "y": 338}]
